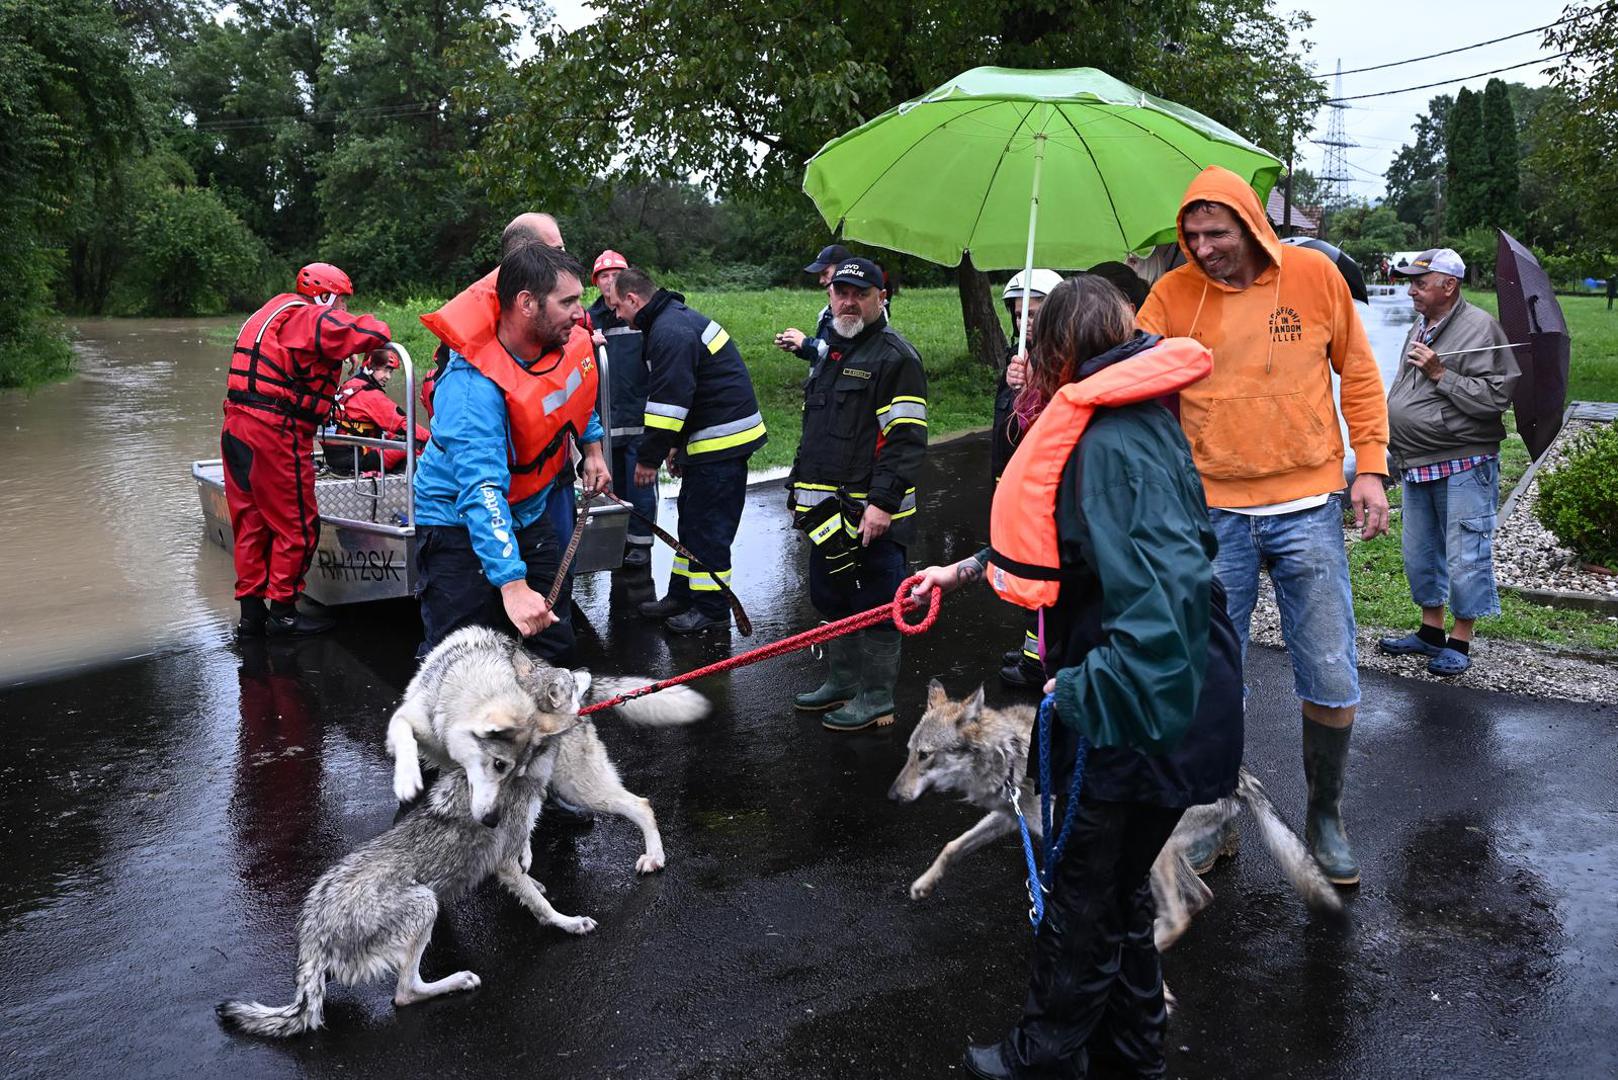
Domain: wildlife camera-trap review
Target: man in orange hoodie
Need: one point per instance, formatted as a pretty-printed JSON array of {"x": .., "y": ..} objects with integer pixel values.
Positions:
[{"x": 1265, "y": 436}]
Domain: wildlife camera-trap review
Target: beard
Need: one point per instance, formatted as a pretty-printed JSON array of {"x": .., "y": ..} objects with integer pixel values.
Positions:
[{"x": 847, "y": 326}]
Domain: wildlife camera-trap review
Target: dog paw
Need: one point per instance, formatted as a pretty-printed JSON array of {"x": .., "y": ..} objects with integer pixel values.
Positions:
[
  {"x": 407, "y": 781},
  {"x": 648, "y": 864},
  {"x": 922, "y": 888},
  {"x": 464, "y": 980},
  {"x": 576, "y": 924}
]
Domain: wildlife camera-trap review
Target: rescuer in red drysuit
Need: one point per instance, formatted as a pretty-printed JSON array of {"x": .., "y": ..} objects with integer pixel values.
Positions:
[
  {"x": 283, "y": 373},
  {"x": 364, "y": 408}
]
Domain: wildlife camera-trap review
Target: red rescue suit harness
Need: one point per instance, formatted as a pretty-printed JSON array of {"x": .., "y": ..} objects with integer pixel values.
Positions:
[
  {"x": 263, "y": 374},
  {"x": 547, "y": 402},
  {"x": 1024, "y": 556}
]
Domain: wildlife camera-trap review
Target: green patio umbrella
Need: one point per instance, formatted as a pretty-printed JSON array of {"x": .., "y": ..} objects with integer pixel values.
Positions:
[{"x": 962, "y": 168}]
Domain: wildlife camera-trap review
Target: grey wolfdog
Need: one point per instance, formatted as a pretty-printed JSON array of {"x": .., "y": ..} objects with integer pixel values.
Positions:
[
  {"x": 373, "y": 912},
  {"x": 472, "y": 703},
  {"x": 961, "y": 746}
]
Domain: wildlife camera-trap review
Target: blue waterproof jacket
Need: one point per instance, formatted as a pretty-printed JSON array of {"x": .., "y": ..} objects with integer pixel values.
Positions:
[{"x": 463, "y": 476}]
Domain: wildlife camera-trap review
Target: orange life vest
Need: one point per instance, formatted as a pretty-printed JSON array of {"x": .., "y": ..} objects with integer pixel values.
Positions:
[
  {"x": 546, "y": 403},
  {"x": 1024, "y": 558}
]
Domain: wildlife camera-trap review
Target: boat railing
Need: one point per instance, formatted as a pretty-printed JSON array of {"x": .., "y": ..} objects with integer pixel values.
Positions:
[{"x": 374, "y": 489}]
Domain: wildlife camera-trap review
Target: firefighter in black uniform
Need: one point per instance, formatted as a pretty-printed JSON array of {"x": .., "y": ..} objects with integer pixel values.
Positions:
[
  {"x": 853, "y": 490},
  {"x": 702, "y": 415}
]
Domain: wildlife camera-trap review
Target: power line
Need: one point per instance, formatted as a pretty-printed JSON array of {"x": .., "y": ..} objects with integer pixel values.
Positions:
[
  {"x": 1452, "y": 52},
  {"x": 1446, "y": 82}
]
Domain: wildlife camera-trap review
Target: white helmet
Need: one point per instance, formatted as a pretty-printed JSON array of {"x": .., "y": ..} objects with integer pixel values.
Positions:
[{"x": 1043, "y": 281}]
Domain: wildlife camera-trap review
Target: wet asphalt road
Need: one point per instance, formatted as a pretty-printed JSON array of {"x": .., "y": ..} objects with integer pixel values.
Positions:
[{"x": 161, "y": 819}]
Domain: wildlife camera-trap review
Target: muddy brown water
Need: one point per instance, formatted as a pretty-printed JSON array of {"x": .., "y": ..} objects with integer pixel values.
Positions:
[{"x": 100, "y": 526}]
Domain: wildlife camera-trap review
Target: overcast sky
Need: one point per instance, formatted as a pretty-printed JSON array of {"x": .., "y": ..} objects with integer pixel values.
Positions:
[{"x": 1362, "y": 33}]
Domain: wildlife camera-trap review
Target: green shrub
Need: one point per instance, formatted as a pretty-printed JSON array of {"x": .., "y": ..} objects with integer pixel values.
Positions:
[
  {"x": 194, "y": 255},
  {"x": 1579, "y": 501}
]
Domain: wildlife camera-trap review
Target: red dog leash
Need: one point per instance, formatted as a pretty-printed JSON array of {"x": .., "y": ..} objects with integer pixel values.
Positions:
[{"x": 902, "y": 605}]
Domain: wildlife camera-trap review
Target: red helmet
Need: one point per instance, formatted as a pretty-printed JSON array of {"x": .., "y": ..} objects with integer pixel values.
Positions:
[
  {"x": 319, "y": 279},
  {"x": 608, "y": 260},
  {"x": 382, "y": 358}
]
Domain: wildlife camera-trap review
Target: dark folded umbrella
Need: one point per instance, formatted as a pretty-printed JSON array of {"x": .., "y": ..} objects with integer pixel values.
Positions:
[
  {"x": 1530, "y": 314},
  {"x": 1345, "y": 265}
]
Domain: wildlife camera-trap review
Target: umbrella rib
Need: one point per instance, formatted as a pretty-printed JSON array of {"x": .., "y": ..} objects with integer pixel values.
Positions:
[
  {"x": 1101, "y": 176},
  {"x": 989, "y": 187},
  {"x": 925, "y": 135},
  {"x": 1146, "y": 130}
]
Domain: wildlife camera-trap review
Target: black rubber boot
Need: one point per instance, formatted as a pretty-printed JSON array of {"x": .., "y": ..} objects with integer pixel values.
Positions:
[
  {"x": 1025, "y": 674},
  {"x": 287, "y": 621},
  {"x": 254, "y": 617},
  {"x": 665, "y": 608},
  {"x": 1325, "y": 755}
]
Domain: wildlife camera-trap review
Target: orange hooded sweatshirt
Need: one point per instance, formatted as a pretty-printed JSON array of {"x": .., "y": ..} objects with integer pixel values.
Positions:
[{"x": 1263, "y": 427}]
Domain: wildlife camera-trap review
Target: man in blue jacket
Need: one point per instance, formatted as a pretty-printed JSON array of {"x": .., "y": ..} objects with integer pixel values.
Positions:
[
  {"x": 503, "y": 409},
  {"x": 702, "y": 415}
]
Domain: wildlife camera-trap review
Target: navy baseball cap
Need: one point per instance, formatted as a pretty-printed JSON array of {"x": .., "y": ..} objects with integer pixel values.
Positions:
[
  {"x": 857, "y": 271},
  {"x": 829, "y": 255}
]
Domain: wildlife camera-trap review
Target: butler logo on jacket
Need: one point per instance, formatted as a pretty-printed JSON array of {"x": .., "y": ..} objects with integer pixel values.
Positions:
[{"x": 1024, "y": 557}]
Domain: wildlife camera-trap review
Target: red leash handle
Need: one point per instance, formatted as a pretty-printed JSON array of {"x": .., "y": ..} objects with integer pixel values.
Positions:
[{"x": 902, "y": 605}]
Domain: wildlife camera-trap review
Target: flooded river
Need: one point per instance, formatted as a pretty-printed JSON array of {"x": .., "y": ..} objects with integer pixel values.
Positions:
[{"x": 99, "y": 519}]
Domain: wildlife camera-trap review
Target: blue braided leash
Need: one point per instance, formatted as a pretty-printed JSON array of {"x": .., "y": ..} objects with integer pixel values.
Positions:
[{"x": 1055, "y": 842}]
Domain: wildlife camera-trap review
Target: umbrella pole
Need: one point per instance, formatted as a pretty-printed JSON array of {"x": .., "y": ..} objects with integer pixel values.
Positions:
[{"x": 1028, "y": 260}]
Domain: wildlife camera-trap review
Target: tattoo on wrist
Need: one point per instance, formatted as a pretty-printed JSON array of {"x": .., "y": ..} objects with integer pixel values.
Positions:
[{"x": 967, "y": 570}]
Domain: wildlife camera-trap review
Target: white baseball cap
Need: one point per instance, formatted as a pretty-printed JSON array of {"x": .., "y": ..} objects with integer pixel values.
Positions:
[{"x": 1440, "y": 260}]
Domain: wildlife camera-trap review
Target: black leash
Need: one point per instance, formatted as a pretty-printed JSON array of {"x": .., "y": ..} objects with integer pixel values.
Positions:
[{"x": 743, "y": 623}]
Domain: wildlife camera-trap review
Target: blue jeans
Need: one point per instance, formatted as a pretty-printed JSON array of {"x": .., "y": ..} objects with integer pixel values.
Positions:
[
  {"x": 1308, "y": 565},
  {"x": 1449, "y": 541}
]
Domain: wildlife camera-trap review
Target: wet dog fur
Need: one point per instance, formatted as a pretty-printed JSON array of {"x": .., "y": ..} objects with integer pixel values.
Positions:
[
  {"x": 372, "y": 913},
  {"x": 970, "y": 750},
  {"x": 477, "y": 692}
]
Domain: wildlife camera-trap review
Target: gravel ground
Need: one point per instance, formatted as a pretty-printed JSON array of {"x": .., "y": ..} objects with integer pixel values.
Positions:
[
  {"x": 1508, "y": 667},
  {"x": 1527, "y": 555}
]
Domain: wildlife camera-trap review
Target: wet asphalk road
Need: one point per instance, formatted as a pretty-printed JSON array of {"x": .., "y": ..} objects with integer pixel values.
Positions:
[{"x": 162, "y": 819}]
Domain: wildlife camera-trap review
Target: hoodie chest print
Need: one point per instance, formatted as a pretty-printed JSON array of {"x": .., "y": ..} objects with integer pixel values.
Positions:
[{"x": 1286, "y": 326}]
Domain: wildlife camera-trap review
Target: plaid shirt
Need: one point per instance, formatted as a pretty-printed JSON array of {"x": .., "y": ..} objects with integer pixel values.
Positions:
[{"x": 1423, "y": 474}]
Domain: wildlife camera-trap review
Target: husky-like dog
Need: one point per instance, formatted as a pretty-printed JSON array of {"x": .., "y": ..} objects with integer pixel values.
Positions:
[
  {"x": 473, "y": 701},
  {"x": 372, "y": 913},
  {"x": 961, "y": 746}
]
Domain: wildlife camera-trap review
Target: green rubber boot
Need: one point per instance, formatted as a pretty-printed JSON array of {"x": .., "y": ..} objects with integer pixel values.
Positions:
[
  {"x": 879, "y": 671},
  {"x": 1325, "y": 754},
  {"x": 842, "y": 677}
]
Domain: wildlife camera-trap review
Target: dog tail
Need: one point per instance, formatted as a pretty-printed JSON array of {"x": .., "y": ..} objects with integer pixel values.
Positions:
[
  {"x": 1285, "y": 847},
  {"x": 666, "y": 708},
  {"x": 304, "y": 1014}
]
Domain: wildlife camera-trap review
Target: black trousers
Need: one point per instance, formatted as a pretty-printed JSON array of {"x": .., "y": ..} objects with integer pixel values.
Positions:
[
  {"x": 455, "y": 594},
  {"x": 856, "y": 581},
  {"x": 1096, "y": 990},
  {"x": 712, "y": 495}
]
